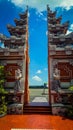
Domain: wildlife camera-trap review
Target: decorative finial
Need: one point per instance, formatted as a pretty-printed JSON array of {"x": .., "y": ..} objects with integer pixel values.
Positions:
[
  {"x": 48, "y": 7},
  {"x": 27, "y": 8}
]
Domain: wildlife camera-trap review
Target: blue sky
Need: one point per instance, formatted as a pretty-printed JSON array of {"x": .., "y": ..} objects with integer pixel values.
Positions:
[{"x": 9, "y": 9}]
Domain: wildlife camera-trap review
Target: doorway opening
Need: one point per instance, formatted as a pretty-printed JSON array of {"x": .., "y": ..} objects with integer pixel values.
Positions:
[
  {"x": 38, "y": 68},
  {"x": 39, "y": 93}
]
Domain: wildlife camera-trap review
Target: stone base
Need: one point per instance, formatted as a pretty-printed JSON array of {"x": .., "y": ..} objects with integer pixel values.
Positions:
[
  {"x": 59, "y": 109},
  {"x": 61, "y": 97},
  {"x": 15, "y": 108}
]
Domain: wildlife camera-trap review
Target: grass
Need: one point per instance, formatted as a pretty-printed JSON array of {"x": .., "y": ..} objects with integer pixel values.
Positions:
[{"x": 38, "y": 92}]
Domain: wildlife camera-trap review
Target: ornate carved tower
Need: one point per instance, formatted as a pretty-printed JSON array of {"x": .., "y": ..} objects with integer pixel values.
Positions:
[
  {"x": 60, "y": 51},
  {"x": 14, "y": 56}
]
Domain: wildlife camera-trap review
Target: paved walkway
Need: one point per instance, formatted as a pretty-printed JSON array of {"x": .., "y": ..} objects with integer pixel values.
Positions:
[{"x": 39, "y": 99}]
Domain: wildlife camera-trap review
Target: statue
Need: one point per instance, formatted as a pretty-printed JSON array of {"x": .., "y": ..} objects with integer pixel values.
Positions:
[
  {"x": 18, "y": 76},
  {"x": 56, "y": 79}
]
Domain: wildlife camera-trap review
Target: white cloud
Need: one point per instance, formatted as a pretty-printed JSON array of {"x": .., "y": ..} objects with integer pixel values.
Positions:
[
  {"x": 28, "y": 14},
  {"x": 37, "y": 78},
  {"x": 18, "y": 2},
  {"x": 66, "y": 4},
  {"x": 46, "y": 33},
  {"x": 68, "y": 32},
  {"x": 39, "y": 72},
  {"x": 39, "y": 13},
  {"x": 45, "y": 19},
  {"x": 45, "y": 69},
  {"x": 40, "y": 5},
  {"x": 71, "y": 27}
]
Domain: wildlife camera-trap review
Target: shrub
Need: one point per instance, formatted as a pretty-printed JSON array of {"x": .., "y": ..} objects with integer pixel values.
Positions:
[
  {"x": 3, "y": 104},
  {"x": 70, "y": 108},
  {"x": 71, "y": 88}
]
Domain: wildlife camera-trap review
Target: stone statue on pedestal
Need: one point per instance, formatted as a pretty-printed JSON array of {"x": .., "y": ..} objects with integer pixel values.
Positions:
[
  {"x": 18, "y": 76},
  {"x": 56, "y": 80}
]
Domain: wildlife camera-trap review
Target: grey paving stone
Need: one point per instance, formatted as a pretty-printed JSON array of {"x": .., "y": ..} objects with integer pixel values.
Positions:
[{"x": 39, "y": 99}]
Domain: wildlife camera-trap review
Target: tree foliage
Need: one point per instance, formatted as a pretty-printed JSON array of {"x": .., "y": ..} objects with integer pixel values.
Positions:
[{"x": 3, "y": 104}]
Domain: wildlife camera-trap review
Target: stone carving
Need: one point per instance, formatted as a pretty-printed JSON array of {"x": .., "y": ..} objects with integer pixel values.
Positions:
[
  {"x": 71, "y": 82},
  {"x": 18, "y": 76},
  {"x": 56, "y": 79},
  {"x": 15, "y": 108},
  {"x": 55, "y": 62},
  {"x": 68, "y": 50},
  {"x": 19, "y": 63},
  {"x": 3, "y": 62},
  {"x": 6, "y": 53},
  {"x": 71, "y": 61}
]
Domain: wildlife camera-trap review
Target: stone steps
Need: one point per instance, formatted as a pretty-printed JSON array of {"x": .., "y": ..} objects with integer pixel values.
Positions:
[{"x": 37, "y": 108}]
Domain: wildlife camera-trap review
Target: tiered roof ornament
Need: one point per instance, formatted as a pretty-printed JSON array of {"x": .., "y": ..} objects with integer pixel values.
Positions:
[
  {"x": 19, "y": 33},
  {"x": 14, "y": 57},
  {"x": 58, "y": 31}
]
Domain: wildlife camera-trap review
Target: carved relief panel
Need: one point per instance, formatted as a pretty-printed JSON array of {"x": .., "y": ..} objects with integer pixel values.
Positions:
[
  {"x": 10, "y": 71},
  {"x": 66, "y": 71}
]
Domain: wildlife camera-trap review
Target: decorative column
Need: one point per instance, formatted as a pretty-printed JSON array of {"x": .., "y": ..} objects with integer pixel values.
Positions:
[
  {"x": 49, "y": 82},
  {"x": 26, "y": 89},
  {"x": 26, "y": 85}
]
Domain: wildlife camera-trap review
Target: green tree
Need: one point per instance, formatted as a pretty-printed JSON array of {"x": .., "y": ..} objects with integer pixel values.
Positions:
[
  {"x": 69, "y": 111},
  {"x": 3, "y": 104}
]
